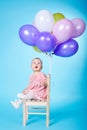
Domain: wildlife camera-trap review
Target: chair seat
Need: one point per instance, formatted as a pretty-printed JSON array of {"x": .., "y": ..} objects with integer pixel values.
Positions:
[{"x": 36, "y": 103}]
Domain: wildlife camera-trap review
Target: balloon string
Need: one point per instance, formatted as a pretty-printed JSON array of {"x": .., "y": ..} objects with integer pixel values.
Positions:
[
  {"x": 50, "y": 62},
  {"x": 50, "y": 69}
]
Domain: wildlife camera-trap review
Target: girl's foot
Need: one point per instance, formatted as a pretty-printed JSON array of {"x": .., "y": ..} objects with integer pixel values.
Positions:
[{"x": 16, "y": 104}]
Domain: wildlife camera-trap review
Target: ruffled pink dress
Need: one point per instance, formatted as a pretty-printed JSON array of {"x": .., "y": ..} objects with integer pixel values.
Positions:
[{"x": 36, "y": 86}]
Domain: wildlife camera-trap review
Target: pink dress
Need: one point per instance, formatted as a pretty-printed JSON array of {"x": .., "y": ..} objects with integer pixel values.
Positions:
[{"x": 36, "y": 85}]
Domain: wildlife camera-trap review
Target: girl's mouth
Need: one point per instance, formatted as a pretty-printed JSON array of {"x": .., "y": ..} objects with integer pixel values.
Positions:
[{"x": 36, "y": 66}]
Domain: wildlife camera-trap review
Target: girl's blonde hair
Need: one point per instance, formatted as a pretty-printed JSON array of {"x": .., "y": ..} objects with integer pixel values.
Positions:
[{"x": 38, "y": 59}]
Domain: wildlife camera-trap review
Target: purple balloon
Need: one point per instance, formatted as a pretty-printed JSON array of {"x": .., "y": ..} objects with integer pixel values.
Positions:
[
  {"x": 28, "y": 34},
  {"x": 79, "y": 27},
  {"x": 46, "y": 42},
  {"x": 67, "y": 48}
]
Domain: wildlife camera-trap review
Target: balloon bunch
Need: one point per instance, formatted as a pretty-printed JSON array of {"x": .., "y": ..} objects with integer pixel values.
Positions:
[{"x": 53, "y": 33}]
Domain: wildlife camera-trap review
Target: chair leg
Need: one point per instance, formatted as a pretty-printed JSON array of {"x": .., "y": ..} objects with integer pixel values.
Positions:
[
  {"x": 24, "y": 114},
  {"x": 47, "y": 117}
]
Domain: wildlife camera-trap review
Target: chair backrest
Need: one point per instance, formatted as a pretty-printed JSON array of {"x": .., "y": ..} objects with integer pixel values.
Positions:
[{"x": 48, "y": 88}]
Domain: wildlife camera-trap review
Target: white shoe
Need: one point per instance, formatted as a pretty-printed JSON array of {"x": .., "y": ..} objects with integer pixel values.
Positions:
[{"x": 16, "y": 104}]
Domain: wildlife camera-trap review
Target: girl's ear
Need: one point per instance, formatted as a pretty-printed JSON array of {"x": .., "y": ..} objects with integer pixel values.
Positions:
[{"x": 42, "y": 67}]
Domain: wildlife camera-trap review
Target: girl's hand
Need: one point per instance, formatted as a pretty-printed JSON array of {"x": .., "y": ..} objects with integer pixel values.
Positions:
[
  {"x": 44, "y": 84},
  {"x": 25, "y": 91}
]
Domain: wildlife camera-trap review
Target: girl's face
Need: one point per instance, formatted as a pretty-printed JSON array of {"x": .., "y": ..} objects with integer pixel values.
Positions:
[{"x": 36, "y": 65}]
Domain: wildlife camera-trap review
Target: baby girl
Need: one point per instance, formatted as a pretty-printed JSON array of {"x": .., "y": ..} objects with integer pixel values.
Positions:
[{"x": 37, "y": 87}]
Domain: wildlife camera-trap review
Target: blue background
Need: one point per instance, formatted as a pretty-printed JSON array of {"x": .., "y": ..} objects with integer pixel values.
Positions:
[{"x": 68, "y": 77}]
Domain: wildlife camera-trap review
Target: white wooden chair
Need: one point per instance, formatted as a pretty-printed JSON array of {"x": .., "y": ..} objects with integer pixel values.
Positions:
[{"x": 38, "y": 105}]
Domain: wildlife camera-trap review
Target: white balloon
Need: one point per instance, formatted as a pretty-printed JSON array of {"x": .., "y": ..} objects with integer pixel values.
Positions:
[{"x": 44, "y": 21}]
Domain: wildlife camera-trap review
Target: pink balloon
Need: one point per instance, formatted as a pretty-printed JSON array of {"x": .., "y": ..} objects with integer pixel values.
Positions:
[
  {"x": 79, "y": 27},
  {"x": 63, "y": 30}
]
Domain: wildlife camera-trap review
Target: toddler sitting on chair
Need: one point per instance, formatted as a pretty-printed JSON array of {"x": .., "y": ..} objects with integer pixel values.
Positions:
[{"x": 37, "y": 87}]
